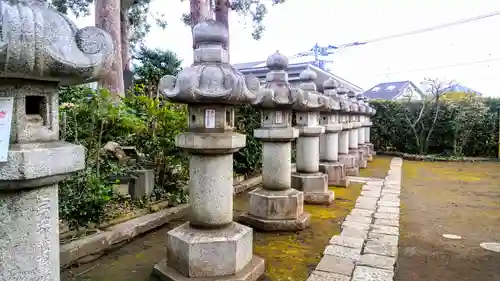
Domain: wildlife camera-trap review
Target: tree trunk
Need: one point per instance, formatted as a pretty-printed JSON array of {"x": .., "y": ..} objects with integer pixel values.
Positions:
[
  {"x": 222, "y": 16},
  {"x": 199, "y": 10},
  {"x": 125, "y": 29},
  {"x": 107, "y": 17}
]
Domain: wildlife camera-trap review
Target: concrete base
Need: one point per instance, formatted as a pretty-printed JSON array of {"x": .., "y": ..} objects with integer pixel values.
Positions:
[
  {"x": 336, "y": 172},
  {"x": 276, "y": 225},
  {"x": 350, "y": 163},
  {"x": 362, "y": 161},
  {"x": 251, "y": 272},
  {"x": 314, "y": 186}
]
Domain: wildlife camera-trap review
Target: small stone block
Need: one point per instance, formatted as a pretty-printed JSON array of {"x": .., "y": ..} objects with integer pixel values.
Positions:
[
  {"x": 336, "y": 172},
  {"x": 354, "y": 232},
  {"x": 383, "y": 238},
  {"x": 319, "y": 198},
  {"x": 391, "y": 191},
  {"x": 365, "y": 199},
  {"x": 387, "y": 216},
  {"x": 390, "y": 210},
  {"x": 366, "y": 206},
  {"x": 377, "y": 261},
  {"x": 365, "y": 273},
  {"x": 374, "y": 194},
  {"x": 362, "y": 212},
  {"x": 343, "y": 252},
  {"x": 380, "y": 248},
  {"x": 335, "y": 264},
  {"x": 345, "y": 241},
  {"x": 276, "y": 225},
  {"x": 327, "y": 276},
  {"x": 383, "y": 229},
  {"x": 360, "y": 219},
  {"x": 310, "y": 183},
  {"x": 364, "y": 226},
  {"x": 251, "y": 272},
  {"x": 388, "y": 204},
  {"x": 386, "y": 222}
]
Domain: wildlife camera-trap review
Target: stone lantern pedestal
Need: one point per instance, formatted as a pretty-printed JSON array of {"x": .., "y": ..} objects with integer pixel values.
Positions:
[
  {"x": 210, "y": 246},
  {"x": 329, "y": 142},
  {"x": 37, "y": 55},
  {"x": 368, "y": 124},
  {"x": 276, "y": 206},
  {"x": 308, "y": 178},
  {"x": 354, "y": 149}
]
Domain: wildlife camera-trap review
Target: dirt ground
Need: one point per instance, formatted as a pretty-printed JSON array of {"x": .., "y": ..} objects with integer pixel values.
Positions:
[{"x": 449, "y": 198}]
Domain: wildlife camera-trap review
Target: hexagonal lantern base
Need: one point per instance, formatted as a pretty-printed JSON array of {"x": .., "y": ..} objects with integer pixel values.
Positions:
[
  {"x": 210, "y": 254},
  {"x": 337, "y": 174},
  {"x": 350, "y": 163},
  {"x": 314, "y": 186},
  {"x": 276, "y": 210}
]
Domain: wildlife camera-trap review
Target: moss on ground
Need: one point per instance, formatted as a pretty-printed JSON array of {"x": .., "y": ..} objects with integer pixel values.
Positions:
[
  {"x": 292, "y": 256},
  {"x": 377, "y": 168}
]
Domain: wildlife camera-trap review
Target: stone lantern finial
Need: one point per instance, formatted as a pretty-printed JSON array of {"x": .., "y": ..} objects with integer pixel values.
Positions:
[
  {"x": 211, "y": 79},
  {"x": 277, "y": 93}
]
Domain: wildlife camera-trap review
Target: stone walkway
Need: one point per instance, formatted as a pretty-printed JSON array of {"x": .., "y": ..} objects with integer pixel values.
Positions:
[{"x": 367, "y": 247}]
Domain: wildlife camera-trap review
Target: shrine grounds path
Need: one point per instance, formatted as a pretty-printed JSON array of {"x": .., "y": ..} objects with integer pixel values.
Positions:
[{"x": 449, "y": 198}]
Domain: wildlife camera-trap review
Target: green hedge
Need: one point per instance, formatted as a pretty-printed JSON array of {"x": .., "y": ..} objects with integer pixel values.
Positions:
[{"x": 466, "y": 127}]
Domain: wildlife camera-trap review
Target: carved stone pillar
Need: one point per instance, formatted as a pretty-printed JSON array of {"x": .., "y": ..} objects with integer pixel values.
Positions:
[
  {"x": 210, "y": 245},
  {"x": 354, "y": 132},
  {"x": 276, "y": 206},
  {"x": 40, "y": 50},
  {"x": 329, "y": 142},
  {"x": 368, "y": 124},
  {"x": 307, "y": 109}
]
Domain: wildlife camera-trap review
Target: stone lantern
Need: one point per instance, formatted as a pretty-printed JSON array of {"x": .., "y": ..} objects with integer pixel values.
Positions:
[
  {"x": 40, "y": 50},
  {"x": 363, "y": 149},
  {"x": 355, "y": 114},
  {"x": 329, "y": 142},
  {"x": 210, "y": 245},
  {"x": 350, "y": 161},
  {"x": 276, "y": 206},
  {"x": 307, "y": 109},
  {"x": 368, "y": 124}
]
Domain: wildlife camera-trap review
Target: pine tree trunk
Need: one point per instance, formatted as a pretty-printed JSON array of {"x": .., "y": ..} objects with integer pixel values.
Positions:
[
  {"x": 107, "y": 17},
  {"x": 124, "y": 35},
  {"x": 199, "y": 10},
  {"x": 222, "y": 16}
]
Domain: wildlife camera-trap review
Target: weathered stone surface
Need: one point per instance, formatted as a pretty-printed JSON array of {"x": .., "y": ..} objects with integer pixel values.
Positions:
[
  {"x": 335, "y": 264},
  {"x": 366, "y": 205},
  {"x": 386, "y": 222},
  {"x": 383, "y": 238},
  {"x": 345, "y": 241},
  {"x": 387, "y": 216},
  {"x": 362, "y": 212},
  {"x": 388, "y": 204},
  {"x": 251, "y": 272},
  {"x": 364, "y": 226},
  {"x": 277, "y": 225},
  {"x": 374, "y": 194},
  {"x": 365, "y": 273},
  {"x": 391, "y": 210},
  {"x": 383, "y": 229},
  {"x": 354, "y": 232},
  {"x": 343, "y": 252},
  {"x": 327, "y": 276},
  {"x": 359, "y": 219},
  {"x": 377, "y": 261},
  {"x": 276, "y": 204},
  {"x": 380, "y": 248},
  {"x": 214, "y": 252}
]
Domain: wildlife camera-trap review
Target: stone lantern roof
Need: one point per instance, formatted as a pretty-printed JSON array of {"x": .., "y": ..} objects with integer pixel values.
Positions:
[
  {"x": 329, "y": 90},
  {"x": 211, "y": 79},
  {"x": 371, "y": 110},
  {"x": 38, "y": 43},
  {"x": 363, "y": 108},
  {"x": 345, "y": 104},
  {"x": 309, "y": 99},
  {"x": 354, "y": 104},
  {"x": 277, "y": 93}
]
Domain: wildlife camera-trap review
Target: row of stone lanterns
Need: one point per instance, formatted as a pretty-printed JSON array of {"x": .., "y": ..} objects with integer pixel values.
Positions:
[{"x": 211, "y": 244}]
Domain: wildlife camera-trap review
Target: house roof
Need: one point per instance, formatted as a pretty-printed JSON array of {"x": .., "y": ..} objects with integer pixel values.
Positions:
[
  {"x": 389, "y": 90},
  {"x": 259, "y": 70},
  {"x": 457, "y": 88}
]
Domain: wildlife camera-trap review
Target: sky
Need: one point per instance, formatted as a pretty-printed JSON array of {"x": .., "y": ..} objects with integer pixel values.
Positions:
[{"x": 297, "y": 25}]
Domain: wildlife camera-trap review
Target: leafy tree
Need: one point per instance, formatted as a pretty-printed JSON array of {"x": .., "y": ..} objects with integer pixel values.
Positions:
[{"x": 152, "y": 64}]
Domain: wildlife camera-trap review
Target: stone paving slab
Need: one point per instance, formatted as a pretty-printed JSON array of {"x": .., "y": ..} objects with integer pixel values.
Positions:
[{"x": 367, "y": 247}]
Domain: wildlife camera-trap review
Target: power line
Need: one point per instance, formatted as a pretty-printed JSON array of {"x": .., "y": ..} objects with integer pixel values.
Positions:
[
  {"x": 331, "y": 49},
  {"x": 439, "y": 67}
]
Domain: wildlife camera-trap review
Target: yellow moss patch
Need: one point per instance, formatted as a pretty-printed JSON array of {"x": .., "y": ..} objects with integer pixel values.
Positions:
[
  {"x": 378, "y": 168},
  {"x": 291, "y": 256}
]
